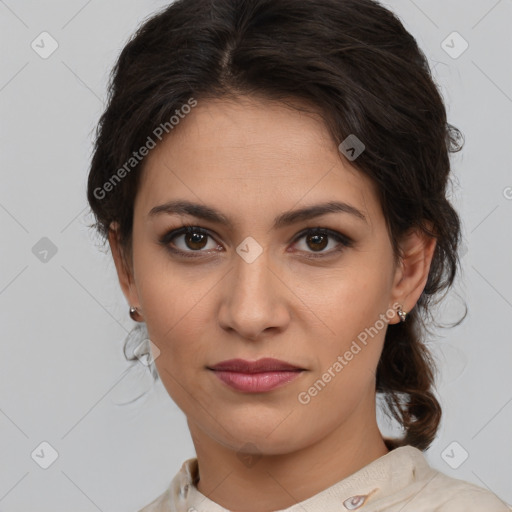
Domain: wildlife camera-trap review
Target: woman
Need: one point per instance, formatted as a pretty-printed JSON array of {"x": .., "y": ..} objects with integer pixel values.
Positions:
[{"x": 271, "y": 176}]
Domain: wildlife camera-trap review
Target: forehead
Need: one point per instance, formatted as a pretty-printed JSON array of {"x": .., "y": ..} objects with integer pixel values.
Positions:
[{"x": 248, "y": 153}]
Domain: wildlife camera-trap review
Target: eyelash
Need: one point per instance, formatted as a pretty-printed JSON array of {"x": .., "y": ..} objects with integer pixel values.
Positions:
[{"x": 166, "y": 239}]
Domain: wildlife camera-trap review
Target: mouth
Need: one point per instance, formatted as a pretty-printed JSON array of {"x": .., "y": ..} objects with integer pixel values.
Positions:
[
  {"x": 266, "y": 364},
  {"x": 256, "y": 376}
]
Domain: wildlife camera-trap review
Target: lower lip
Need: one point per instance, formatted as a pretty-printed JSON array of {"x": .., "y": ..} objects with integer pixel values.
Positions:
[{"x": 256, "y": 382}]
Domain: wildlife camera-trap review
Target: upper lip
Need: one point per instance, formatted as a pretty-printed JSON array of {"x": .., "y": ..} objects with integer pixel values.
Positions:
[{"x": 266, "y": 364}]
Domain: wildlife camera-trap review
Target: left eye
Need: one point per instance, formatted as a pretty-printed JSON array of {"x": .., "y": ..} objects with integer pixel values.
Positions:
[
  {"x": 195, "y": 239},
  {"x": 317, "y": 238}
]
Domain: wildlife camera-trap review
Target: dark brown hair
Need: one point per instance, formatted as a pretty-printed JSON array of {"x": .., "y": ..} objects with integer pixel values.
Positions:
[{"x": 357, "y": 65}]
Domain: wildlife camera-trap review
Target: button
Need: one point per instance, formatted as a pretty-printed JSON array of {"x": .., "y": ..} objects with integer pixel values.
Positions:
[{"x": 354, "y": 502}]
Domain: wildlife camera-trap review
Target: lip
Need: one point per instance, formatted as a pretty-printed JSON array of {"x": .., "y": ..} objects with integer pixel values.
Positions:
[
  {"x": 257, "y": 382},
  {"x": 267, "y": 364},
  {"x": 256, "y": 376}
]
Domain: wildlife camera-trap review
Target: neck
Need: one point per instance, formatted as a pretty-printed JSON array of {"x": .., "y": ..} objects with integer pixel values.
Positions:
[{"x": 269, "y": 482}]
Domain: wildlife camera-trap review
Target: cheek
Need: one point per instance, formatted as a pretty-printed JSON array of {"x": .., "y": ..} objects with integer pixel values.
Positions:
[
  {"x": 353, "y": 322},
  {"x": 170, "y": 294},
  {"x": 175, "y": 322},
  {"x": 175, "y": 325},
  {"x": 349, "y": 300},
  {"x": 346, "y": 371},
  {"x": 169, "y": 315}
]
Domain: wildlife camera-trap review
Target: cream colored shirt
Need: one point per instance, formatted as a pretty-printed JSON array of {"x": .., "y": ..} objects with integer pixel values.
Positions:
[{"x": 401, "y": 480}]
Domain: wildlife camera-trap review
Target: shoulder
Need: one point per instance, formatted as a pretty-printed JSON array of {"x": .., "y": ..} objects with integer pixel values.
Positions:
[
  {"x": 161, "y": 504},
  {"x": 175, "y": 495},
  {"x": 460, "y": 496},
  {"x": 440, "y": 492}
]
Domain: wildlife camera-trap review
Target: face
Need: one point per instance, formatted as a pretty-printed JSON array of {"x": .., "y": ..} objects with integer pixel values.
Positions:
[{"x": 304, "y": 291}]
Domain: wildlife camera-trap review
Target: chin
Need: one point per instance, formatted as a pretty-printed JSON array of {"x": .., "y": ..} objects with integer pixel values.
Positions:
[{"x": 266, "y": 439}]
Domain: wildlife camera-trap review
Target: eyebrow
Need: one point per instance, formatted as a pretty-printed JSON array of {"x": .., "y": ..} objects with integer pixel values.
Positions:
[{"x": 285, "y": 219}]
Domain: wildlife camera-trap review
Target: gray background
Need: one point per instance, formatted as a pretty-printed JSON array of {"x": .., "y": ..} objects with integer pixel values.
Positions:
[{"x": 64, "y": 319}]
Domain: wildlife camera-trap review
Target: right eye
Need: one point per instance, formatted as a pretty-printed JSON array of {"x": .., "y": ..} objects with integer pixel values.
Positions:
[{"x": 194, "y": 238}]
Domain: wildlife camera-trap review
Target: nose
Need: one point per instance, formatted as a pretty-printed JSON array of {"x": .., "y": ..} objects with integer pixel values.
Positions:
[{"x": 254, "y": 299}]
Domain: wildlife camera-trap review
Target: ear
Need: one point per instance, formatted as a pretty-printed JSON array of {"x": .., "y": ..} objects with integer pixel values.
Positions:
[
  {"x": 123, "y": 266},
  {"x": 412, "y": 272}
]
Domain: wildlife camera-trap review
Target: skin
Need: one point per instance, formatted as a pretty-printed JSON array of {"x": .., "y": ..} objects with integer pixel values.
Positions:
[{"x": 253, "y": 159}]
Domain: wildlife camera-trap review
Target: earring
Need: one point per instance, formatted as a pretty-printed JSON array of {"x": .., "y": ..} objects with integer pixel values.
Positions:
[
  {"x": 401, "y": 314},
  {"x": 133, "y": 314}
]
